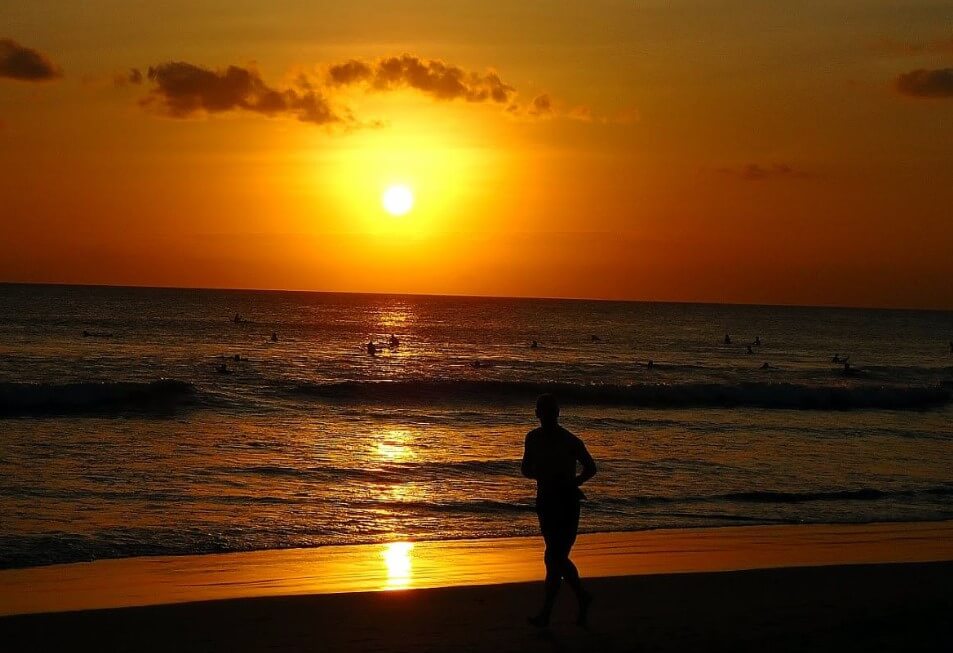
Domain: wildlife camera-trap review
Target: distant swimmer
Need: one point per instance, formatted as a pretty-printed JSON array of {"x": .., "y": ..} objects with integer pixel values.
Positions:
[
  {"x": 727, "y": 339},
  {"x": 223, "y": 369},
  {"x": 274, "y": 336},
  {"x": 371, "y": 348},
  {"x": 749, "y": 350},
  {"x": 767, "y": 366},
  {"x": 534, "y": 345},
  {"x": 757, "y": 341},
  {"x": 837, "y": 359},
  {"x": 650, "y": 364},
  {"x": 86, "y": 334},
  {"x": 394, "y": 340},
  {"x": 848, "y": 370}
]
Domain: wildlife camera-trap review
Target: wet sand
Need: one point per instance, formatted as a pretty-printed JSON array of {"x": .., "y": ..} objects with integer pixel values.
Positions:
[{"x": 891, "y": 605}]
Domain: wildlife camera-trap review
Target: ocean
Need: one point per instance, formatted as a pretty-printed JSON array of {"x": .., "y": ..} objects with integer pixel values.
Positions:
[{"x": 121, "y": 434}]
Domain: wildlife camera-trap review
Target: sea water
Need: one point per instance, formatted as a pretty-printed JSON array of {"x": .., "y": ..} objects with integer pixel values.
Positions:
[{"x": 129, "y": 427}]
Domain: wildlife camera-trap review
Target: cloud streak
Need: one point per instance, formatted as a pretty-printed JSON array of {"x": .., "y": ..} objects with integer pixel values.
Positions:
[
  {"x": 926, "y": 84},
  {"x": 25, "y": 64},
  {"x": 431, "y": 77},
  {"x": 181, "y": 90},
  {"x": 896, "y": 48}
]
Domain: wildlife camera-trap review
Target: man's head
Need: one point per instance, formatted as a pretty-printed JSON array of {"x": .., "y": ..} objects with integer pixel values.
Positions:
[{"x": 547, "y": 410}]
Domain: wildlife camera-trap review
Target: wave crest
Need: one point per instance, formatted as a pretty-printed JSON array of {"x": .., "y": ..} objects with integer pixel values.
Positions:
[
  {"x": 758, "y": 395},
  {"x": 39, "y": 399}
]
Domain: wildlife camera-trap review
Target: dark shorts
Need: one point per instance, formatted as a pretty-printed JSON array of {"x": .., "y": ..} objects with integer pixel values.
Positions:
[{"x": 559, "y": 519}]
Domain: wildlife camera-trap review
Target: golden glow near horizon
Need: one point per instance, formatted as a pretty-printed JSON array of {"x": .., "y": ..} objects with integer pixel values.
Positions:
[
  {"x": 397, "y": 200},
  {"x": 615, "y": 158}
]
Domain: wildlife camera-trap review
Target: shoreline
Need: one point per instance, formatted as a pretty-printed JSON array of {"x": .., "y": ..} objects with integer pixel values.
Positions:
[{"x": 344, "y": 569}]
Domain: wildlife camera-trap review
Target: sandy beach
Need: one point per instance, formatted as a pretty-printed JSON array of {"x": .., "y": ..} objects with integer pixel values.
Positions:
[{"x": 822, "y": 587}]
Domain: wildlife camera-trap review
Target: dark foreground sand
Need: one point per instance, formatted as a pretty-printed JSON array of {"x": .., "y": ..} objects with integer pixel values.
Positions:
[{"x": 885, "y": 607}]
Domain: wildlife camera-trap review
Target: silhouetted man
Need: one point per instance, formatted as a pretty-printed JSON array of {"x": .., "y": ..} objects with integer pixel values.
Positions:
[{"x": 550, "y": 457}]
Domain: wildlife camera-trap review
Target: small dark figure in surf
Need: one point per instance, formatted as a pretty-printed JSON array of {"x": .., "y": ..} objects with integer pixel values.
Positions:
[
  {"x": 837, "y": 359},
  {"x": 238, "y": 318},
  {"x": 650, "y": 364},
  {"x": 86, "y": 334},
  {"x": 727, "y": 339},
  {"x": 595, "y": 338},
  {"x": 394, "y": 340},
  {"x": 749, "y": 350},
  {"x": 223, "y": 369},
  {"x": 550, "y": 456},
  {"x": 848, "y": 370},
  {"x": 534, "y": 345},
  {"x": 371, "y": 348},
  {"x": 757, "y": 341},
  {"x": 766, "y": 366},
  {"x": 274, "y": 336}
]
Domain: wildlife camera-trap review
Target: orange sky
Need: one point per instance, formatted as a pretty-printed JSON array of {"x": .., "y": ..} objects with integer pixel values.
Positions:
[{"x": 749, "y": 152}]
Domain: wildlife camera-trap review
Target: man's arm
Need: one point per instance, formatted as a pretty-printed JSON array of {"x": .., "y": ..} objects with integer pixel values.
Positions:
[
  {"x": 528, "y": 466},
  {"x": 588, "y": 464}
]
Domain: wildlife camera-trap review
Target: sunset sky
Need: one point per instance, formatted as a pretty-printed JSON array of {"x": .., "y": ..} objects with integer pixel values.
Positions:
[{"x": 732, "y": 151}]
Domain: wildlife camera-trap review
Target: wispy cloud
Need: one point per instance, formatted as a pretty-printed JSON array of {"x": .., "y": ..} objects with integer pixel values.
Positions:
[
  {"x": 895, "y": 48},
  {"x": 432, "y": 77},
  {"x": 25, "y": 64},
  {"x": 181, "y": 89},
  {"x": 926, "y": 84}
]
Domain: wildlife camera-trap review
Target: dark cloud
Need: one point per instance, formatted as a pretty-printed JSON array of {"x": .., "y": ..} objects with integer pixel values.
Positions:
[
  {"x": 430, "y": 76},
  {"x": 25, "y": 64},
  {"x": 759, "y": 172},
  {"x": 133, "y": 76},
  {"x": 542, "y": 105},
  {"x": 182, "y": 89},
  {"x": 927, "y": 84}
]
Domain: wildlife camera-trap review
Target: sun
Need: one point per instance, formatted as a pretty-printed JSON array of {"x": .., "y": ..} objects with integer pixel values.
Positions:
[{"x": 397, "y": 200}]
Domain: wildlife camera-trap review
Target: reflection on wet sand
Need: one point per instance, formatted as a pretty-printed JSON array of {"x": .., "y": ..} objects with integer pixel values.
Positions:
[
  {"x": 399, "y": 562},
  {"x": 402, "y": 564}
]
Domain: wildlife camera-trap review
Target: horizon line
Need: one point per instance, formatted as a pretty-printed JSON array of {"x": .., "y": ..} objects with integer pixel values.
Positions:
[{"x": 470, "y": 296}]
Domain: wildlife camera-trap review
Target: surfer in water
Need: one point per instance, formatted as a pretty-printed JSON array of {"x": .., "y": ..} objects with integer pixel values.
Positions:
[
  {"x": 550, "y": 456},
  {"x": 371, "y": 348}
]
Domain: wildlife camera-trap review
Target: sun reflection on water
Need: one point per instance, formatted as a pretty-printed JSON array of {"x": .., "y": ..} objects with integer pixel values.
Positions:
[
  {"x": 393, "y": 447},
  {"x": 397, "y": 558}
]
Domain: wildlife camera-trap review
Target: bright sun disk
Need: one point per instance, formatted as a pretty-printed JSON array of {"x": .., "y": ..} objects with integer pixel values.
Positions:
[{"x": 398, "y": 199}]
